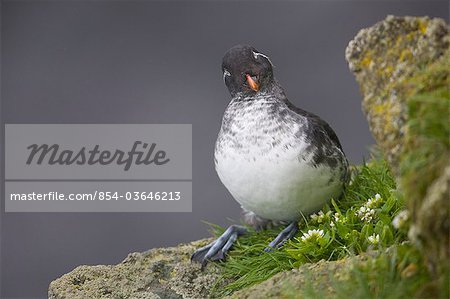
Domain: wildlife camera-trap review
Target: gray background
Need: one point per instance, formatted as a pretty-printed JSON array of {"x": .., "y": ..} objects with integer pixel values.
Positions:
[{"x": 155, "y": 62}]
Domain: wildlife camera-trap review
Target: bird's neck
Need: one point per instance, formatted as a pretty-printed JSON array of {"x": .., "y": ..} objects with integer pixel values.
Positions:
[{"x": 273, "y": 90}]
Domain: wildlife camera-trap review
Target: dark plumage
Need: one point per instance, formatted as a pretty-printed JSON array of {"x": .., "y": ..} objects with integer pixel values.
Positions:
[{"x": 278, "y": 161}]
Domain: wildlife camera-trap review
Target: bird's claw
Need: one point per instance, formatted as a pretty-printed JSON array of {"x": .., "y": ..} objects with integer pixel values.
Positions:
[
  {"x": 285, "y": 235},
  {"x": 216, "y": 250}
]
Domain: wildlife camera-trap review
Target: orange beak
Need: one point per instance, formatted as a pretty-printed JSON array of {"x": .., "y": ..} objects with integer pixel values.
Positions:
[{"x": 252, "y": 83}]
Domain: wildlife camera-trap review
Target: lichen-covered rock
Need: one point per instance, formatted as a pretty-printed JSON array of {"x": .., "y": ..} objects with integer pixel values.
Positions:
[
  {"x": 320, "y": 276},
  {"x": 425, "y": 162},
  {"x": 402, "y": 65},
  {"x": 157, "y": 273},
  {"x": 433, "y": 221},
  {"x": 382, "y": 58}
]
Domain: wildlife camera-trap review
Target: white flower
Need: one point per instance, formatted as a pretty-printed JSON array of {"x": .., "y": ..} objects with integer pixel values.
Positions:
[
  {"x": 320, "y": 217},
  {"x": 336, "y": 217},
  {"x": 332, "y": 224},
  {"x": 339, "y": 218},
  {"x": 367, "y": 211},
  {"x": 366, "y": 214},
  {"x": 374, "y": 202},
  {"x": 374, "y": 239},
  {"x": 312, "y": 234},
  {"x": 401, "y": 219}
]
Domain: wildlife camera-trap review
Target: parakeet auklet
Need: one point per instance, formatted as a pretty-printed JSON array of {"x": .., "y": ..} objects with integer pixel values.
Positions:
[{"x": 278, "y": 161}]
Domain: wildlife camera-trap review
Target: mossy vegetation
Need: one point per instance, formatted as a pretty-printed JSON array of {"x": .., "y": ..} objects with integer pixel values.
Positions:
[
  {"x": 425, "y": 162},
  {"x": 403, "y": 67},
  {"x": 393, "y": 273},
  {"x": 383, "y": 59},
  {"x": 427, "y": 148},
  {"x": 360, "y": 221}
]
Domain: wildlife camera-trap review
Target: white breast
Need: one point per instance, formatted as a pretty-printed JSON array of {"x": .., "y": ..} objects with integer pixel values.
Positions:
[
  {"x": 267, "y": 174},
  {"x": 280, "y": 189}
]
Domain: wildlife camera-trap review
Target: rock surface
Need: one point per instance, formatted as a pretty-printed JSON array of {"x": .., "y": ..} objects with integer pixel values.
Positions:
[
  {"x": 402, "y": 65},
  {"x": 425, "y": 163},
  {"x": 321, "y": 276},
  {"x": 382, "y": 58},
  {"x": 157, "y": 273}
]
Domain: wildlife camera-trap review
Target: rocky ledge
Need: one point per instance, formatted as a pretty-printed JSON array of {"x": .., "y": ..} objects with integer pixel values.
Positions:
[
  {"x": 157, "y": 273},
  {"x": 402, "y": 65}
]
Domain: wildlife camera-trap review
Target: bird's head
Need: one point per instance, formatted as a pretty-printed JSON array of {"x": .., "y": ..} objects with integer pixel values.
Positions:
[{"x": 246, "y": 70}]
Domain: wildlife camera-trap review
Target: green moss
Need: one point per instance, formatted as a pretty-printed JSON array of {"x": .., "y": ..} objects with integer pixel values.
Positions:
[
  {"x": 384, "y": 58},
  {"x": 403, "y": 66},
  {"x": 392, "y": 274},
  {"x": 426, "y": 154},
  {"x": 427, "y": 146}
]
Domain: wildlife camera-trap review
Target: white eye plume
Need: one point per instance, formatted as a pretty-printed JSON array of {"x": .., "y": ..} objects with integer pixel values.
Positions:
[
  {"x": 225, "y": 74},
  {"x": 256, "y": 55}
]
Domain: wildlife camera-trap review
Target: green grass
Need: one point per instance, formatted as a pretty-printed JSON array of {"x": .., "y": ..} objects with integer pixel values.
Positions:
[
  {"x": 389, "y": 275},
  {"x": 343, "y": 230}
]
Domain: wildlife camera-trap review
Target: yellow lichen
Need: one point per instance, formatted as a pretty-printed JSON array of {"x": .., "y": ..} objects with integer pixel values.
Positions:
[
  {"x": 366, "y": 60},
  {"x": 406, "y": 54},
  {"x": 381, "y": 108},
  {"x": 388, "y": 71},
  {"x": 382, "y": 114},
  {"x": 423, "y": 25}
]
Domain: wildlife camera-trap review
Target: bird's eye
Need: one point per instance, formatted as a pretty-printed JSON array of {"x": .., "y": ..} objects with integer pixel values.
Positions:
[
  {"x": 225, "y": 74},
  {"x": 256, "y": 55}
]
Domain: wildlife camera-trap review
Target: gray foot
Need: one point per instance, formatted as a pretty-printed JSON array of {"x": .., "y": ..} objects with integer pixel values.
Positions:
[
  {"x": 286, "y": 234},
  {"x": 217, "y": 249}
]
